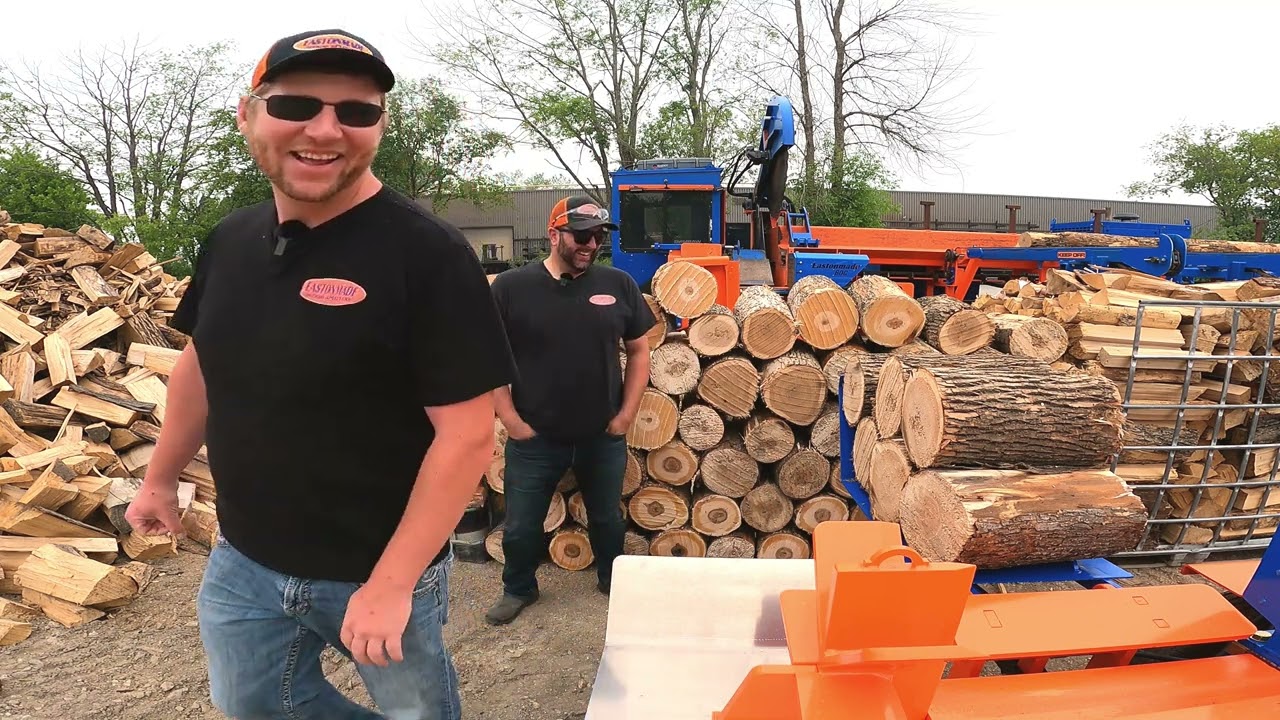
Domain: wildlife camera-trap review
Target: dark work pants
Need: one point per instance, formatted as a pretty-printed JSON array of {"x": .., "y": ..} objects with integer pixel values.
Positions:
[{"x": 534, "y": 468}]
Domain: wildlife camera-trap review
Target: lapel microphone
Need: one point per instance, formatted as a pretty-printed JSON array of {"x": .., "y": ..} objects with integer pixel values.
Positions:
[
  {"x": 564, "y": 279},
  {"x": 286, "y": 231}
]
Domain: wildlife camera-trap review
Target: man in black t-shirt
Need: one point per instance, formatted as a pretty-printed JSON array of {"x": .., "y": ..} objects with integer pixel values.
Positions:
[
  {"x": 345, "y": 348},
  {"x": 566, "y": 319}
]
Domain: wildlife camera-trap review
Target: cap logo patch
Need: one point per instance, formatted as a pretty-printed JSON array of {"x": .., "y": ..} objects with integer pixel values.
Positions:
[
  {"x": 331, "y": 41},
  {"x": 332, "y": 291},
  {"x": 603, "y": 299}
]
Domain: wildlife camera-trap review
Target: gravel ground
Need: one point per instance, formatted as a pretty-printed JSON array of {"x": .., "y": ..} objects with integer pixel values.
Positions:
[{"x": 145, "y": 661}]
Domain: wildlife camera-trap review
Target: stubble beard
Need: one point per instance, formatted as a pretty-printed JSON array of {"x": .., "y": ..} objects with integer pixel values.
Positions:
[
  {"x": 569, "y": 254},
  {"x": 272, "y": 165}
]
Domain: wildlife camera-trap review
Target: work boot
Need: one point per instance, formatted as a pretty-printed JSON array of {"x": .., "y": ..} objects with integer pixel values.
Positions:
[{"x": 507, "y": 608}]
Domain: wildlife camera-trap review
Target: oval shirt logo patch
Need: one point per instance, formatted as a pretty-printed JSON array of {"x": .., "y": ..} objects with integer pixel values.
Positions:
[
  {"x": 603, "y": 299},
  {"x": 332, "y": 291}
]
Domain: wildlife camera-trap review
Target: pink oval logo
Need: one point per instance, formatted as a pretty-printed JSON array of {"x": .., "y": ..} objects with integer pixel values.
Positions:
[
  {"x": 332, "y": 291},
  {"x": 603, "y": 299}
]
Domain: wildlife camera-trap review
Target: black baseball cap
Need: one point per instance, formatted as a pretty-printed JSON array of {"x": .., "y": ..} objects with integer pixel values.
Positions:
[
  {"x": 579, "y": 212},
  {"x": 332, "y": 50}
]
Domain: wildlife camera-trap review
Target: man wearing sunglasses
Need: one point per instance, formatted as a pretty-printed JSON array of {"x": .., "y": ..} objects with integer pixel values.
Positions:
[
  {"x": 349, "y": 347},
  {"x": 566, "y": 318}
]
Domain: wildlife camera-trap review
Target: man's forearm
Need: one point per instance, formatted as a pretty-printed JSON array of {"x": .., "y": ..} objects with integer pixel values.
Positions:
[
  {"x": 184, "y": 427},
  {"x": 635, "y": 378},
  {"x": 446, "y": 482}
]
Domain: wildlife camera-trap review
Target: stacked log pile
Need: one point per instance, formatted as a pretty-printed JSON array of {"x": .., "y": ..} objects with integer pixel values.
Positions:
[
  {"x": 1099, "y": 313},
  {"x": 86, "y": 354}
]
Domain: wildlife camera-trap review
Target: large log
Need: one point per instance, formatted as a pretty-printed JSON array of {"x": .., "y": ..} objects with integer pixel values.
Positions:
[
  {"x": 803, "y": 473},
  {"x": 700, "y": 427},
  {"x": 674, "y": 368},
  {"x": 715, "y": 332},
  {"x": 727, "y": 469},
  {"x": 1031, "y": 337},
  {"x": 1006, "y": 518},
  {"x": 570, "y": 548},
  {"x": 1079, "y": 239},
  {"x": 793, "y": 387},
  {"x": 674, "y": 464},
  {"x": 715, "y": 515},
  {"x": 656, "y": 421},
  {"x": 767, "y": 326},
  {"x": 733, "y": 545},
  {"x": 890, "y": 470},
  {"x": 766, "y": 508},
  {"x": 678, "y": 542},
  {"x": 659, "y": 507},
  {"x": 825, "y": 315},
  {"x": 971, "y": 416},
  {"x": 730, "y": 384},
  {"x": 767, "y": 437},
  {"x": 953, "y": 327},
  {"x": 887, "y": 316},
  {"x": 782, "y": 545},
  {"x": 819, "y": 509},
  {"x": 684, "y": 289}
]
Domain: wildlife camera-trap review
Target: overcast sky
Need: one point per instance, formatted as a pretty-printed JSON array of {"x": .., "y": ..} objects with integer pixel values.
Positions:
[{"x": 1073, "y": 90}]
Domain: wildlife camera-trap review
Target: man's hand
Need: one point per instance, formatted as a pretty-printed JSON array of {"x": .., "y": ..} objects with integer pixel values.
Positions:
[
  {"x": 154, "y": 512},
  {"x": 375, "y": 621},
  {"x": 518, "y": 429},
  {"x": 621, "y": 423}
]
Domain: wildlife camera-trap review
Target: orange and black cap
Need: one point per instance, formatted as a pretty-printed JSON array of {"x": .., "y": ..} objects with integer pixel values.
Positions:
[
  {"x": 579, "y": 212},
  {"x": 325, "y": 50}
]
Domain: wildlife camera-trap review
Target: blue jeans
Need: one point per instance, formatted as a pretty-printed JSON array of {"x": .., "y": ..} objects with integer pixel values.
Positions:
[
  {"x": 263, "y": 633},
  {"x": 534, "y": 468}
]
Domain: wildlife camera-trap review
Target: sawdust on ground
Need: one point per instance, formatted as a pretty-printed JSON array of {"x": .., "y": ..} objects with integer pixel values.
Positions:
[{"x": 145, "y": 662}]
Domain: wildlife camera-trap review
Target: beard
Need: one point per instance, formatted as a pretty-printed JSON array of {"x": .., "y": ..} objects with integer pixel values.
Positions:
[
  {"x": 272, "y": 163},
  {"x": 569, "y": 255}
]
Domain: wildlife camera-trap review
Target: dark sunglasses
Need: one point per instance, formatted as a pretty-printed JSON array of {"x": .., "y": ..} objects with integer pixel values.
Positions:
[
  {"x": 582, "y": 237},
  {"x": 301, "y": 108}
]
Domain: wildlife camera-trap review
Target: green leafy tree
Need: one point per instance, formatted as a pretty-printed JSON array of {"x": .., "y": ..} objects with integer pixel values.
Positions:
[
  {"x": 1236, "y": 170},
  {"x": 36, "y": 190},
  {"x": 430, "y": 152}
]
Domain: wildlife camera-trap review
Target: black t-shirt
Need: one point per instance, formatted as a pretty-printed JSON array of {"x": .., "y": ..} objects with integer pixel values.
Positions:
[
  {"x": 318, "y": 364},
  {"x": 565, "y": 337}
]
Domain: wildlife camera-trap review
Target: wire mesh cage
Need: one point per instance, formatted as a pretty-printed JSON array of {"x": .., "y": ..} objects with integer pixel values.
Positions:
[{"x": 1202, "y": 435}]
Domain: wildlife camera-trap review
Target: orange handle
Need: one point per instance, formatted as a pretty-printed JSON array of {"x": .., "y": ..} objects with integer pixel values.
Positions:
[{"x": 881, "y": 555}]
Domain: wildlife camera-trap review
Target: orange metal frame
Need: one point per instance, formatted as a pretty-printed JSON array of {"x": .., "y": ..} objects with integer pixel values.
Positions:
[{"x": 881, "y": 624}]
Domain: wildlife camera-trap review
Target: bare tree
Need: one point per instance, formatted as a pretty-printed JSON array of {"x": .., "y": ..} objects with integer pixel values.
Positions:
[
  {"x": 567, "y": 73},
  {"x": 133, "y": 126}
]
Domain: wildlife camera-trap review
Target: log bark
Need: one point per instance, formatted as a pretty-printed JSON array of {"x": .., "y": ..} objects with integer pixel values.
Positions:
[
  {"x": 715, "y": 515},
  {"x": 767, "y": 327},
  {"x": 674, "y": 464},
  {"x": 1230, "y": 246},
  {"x": 834, "y": 363},
  {"x": 727, "y": 469},
  {"x": 766, "y": 508},
  {"x": 955, "y": 416},
  {"x": 890, "y": 470},
  {"x": 1032, "y": 337},
  {"x": 1079, "y": 239},
  {"x": 657, "y": 334},
  {"x": 1005, "y": 518},
  {"x": 783, "y": 545},
  {"x": 656, "y": 421},
  {"x": 793, "y": 387},
  {"x": 684, "y": 289},
  {"x": 803, "y": 473},
  {"x": 861, "y": 380},
  {"x": 825, "y": 315},
  {"x": 635, "y": 543},
  {"x": 819, "y": 509},
  {"x": 658, "y": 507},
  {"x": 715, "y": 332},
  {"x": 767, "y": 437},
  {"x": 887, "y": 316},
  {"x": 824, "y": 434},
  {"x": 700, "y": 427},
  {"x": 570, "y": 548},
  {"x": 731, "y": 385},
  {"x": 953, "y": 327},
  {"x": 674, "y": 368},
  {"x": 678, "y": 542},
  {"x": 734, "y": 545},
  {"x": 557, "y": 512},
  {"x": 635, "y": 475}
]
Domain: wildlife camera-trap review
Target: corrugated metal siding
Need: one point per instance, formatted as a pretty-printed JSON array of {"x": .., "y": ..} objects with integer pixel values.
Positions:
[{"x": 526, "y": 212}]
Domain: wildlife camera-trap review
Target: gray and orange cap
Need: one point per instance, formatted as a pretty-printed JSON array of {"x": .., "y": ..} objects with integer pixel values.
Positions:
[
  {"x": 330, "y": 50},
  {"x": 579, "y": 212}
]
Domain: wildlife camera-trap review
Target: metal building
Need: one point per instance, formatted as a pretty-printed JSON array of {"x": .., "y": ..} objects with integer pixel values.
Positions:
[{"x": 516, "y": 228}]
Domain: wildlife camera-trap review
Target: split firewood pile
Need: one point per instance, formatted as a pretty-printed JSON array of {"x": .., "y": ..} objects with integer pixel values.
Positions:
[
  {"x": 82, "y": 398},
  {"x": 1098, "y": 311}
]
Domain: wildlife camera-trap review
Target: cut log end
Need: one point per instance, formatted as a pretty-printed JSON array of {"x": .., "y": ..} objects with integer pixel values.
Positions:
[
  {"x": 570, "y": 548},
  {"x": 819, "y": 509},
  {"x": 678, "y": 542},
  {"x": 783, "y": 545},
  {"x": 684, "y": 289},
  {"x": 657, "y": 507},
  {"x": 674, "y": 463},
  {"x": 656, "y": 421},
  {"x": 700, "y": 427},
  {"x": 715, "y": 515},
  {"x": 674, "y": 368},
  {"x": 731, "y": 385},
  {"x": 735, "y": 545},
  {"x": 793, "y": 387},
  {"x": 714, "y": 333}
]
